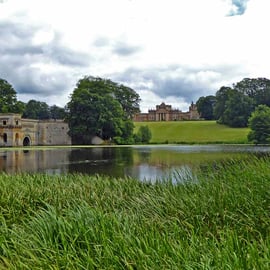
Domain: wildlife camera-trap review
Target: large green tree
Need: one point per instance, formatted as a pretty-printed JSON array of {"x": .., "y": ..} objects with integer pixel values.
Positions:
[
  {"x": 258, "y": 89},
  {"x": 103, "y": 108},
  {"x": 259, "y": 124},
  {"x": 8, "y": 99},
  {"x": 234, "y": 104},
  {"x": 222, "y": 96},
  {"x": 128, "y": 99},
  {"x": 238, "y": 109},
  {"x": 205, "y": 106}
]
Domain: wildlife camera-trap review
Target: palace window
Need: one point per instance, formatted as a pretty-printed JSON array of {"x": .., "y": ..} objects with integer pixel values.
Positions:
[{"x": 4, "y": 122}]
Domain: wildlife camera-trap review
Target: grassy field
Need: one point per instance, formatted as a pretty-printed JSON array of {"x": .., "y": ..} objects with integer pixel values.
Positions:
[
  {"x": 194, "y": 132},
  {"x": 219, "y": 221}
]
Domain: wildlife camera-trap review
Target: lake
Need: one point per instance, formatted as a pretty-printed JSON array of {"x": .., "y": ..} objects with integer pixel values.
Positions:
[{"x": 141, "y": 162}]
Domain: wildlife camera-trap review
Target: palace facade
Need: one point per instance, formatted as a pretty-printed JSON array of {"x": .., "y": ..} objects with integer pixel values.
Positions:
[
  {"x": 16, "y": 131},
  {"x": 165, "y": 112}
]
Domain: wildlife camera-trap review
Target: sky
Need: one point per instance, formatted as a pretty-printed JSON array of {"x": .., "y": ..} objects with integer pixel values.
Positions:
[{"x": 171, "y": 51}]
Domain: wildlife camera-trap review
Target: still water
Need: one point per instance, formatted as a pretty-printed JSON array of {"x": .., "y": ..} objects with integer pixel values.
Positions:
[{"x": 140, "y": 162}]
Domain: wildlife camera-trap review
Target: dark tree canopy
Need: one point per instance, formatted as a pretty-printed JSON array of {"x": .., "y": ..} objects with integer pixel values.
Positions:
[
  {"x": 259, "y": 124},
  {"x": 238, "y": 109},
  {"x": 222, "y": 96},
  {"x": 36, "y": 110},
  {"x": 128, "y": 99},
  {"x": 234, "y": 105},
  {"x": 57, "y": 112},
  {"x": 8, "y": 99},
  {"x": 103, "y": 108},
  {"x": 205, "y": 106},
  {"x": 257, "y": 89}
]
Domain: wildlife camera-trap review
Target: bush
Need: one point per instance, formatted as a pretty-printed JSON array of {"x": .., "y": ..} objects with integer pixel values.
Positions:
[
  {"x": 259, "y": 122},
  {"x": 143, "y": 135}
]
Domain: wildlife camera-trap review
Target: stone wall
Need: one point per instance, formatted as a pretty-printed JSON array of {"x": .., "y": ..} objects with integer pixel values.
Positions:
[{"x": 16, "y": 131}]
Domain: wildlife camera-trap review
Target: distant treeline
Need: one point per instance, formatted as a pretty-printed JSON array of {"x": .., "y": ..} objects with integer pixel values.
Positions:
[
  {"x": 33, "y": 109},
  {"x": 234, "y": 105}
]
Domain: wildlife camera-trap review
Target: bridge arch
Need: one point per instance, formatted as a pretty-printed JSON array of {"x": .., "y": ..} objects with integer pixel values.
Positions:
[{"x": 26, "y": 141}]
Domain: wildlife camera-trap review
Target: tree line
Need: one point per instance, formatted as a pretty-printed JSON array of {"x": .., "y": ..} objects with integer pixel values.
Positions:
[
  {"x": 97, "y": 107},
  {"x": 234, "y": 105},
  {"x": 33, "y": 109},
  {"x": 101, "y": 107},
  {"x": 246, "y": 103}
]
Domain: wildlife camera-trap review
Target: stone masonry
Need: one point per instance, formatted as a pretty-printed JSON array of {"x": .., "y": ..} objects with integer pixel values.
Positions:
[{"x": 16, "y": 131}]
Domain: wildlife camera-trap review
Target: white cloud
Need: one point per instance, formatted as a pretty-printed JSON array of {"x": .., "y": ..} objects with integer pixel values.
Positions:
[{"x": 182, "y": 48}]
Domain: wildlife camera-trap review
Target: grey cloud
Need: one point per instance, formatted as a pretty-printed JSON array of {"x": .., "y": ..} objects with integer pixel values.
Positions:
[
  {"x": 118, "y": 47},
  {"x": 65, "y": 56},
  {"x": 123, "y": 49},
  {"x": 33, "y": 82},
  {"x": 239, "y": 7},
  {"x": 102, "y": 42},
  {"x": 14, "y": 35},
  {"x": 43, "y": 85},
  {"x": 164, "y": 82},
  {"x": 16, "y": 40},
  {"x": 179, "y": 81},
  {"x": 21, "y": 61}
]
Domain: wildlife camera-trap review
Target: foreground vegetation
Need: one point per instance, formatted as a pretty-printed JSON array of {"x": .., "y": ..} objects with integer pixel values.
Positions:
[
  {"x": 217, "y": 220},
  {"x": 194, "y": 132}
]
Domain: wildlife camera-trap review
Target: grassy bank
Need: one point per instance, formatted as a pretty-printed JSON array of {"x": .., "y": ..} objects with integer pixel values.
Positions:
[
  {"x": 81, "y": 222},
  {"x": 194, "y": 132}
]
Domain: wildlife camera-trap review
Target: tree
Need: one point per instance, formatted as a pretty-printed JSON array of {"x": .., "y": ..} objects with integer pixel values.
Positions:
[
  {"x": 98, "y": 108},
  {"x": 143, "y": 135},
  {"x": 128, "y": 99},
  {"x": 205, "y": 106},
  {"x": 222, "y": 96},
  {"x": 234, "y": 105},
  {"x": 57, "y": 112},
  {"x": 36, "y": 110},
  {"x": 238, "y": 109},
  {"x": 259, "y": 123},
  {"x": 8, "y": 99},
  {"x": 257, "y": 89}
]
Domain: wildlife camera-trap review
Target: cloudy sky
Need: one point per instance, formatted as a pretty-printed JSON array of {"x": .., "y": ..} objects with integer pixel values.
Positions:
[{"x": 173, "y": 51}]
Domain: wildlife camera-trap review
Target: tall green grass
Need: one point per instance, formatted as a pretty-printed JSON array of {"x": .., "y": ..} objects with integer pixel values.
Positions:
[
  {"x": 219, "y": 221},
  {"x": 194, "y": 132}
]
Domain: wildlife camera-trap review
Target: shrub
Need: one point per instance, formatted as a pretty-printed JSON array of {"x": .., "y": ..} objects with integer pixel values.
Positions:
[
  {"x": 259, "y": 122},
  {"x": 143, "y": 135}
]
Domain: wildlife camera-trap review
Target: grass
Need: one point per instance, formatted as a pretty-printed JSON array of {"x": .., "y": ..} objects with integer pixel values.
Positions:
[
  {"x": 221, "y": 221},
  {"x": 194, "y": 132}
]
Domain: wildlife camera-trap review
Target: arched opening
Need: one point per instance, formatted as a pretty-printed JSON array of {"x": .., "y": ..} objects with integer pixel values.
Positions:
[
  {"x": 5, "y": 137},
  {"x": 26, "y": 141}
]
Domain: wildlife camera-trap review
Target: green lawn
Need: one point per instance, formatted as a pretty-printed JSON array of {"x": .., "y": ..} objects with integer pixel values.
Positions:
[{"x": 194, "y": 132}]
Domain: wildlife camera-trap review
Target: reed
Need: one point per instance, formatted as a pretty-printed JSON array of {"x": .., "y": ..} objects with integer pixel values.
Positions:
[{"x": 219, "y": 221}]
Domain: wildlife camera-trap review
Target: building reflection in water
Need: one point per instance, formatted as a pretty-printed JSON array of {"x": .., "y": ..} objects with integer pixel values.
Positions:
[
  {"x": 48, "y": 161},
  {"x": 141, "y": 163}
]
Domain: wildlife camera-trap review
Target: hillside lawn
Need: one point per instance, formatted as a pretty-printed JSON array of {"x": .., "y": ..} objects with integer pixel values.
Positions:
[{"x": 194, "y": 132}]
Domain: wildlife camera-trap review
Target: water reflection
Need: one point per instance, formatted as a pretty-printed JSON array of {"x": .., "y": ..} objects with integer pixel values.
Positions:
[
  {"x": 150, "y": 173},
  {"x": 146, "y": 163},
  {"x": 101, "y": 160},
  {"x": 47, "y": 161}
]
